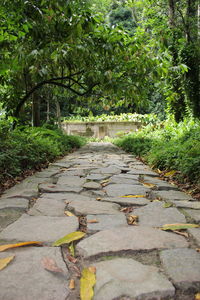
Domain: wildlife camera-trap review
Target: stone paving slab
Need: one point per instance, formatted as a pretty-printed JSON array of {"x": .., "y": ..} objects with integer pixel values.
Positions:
[
  {"x": 105, "y": 222},
  {"x": 127, "y": 277},
  {"x": 122, "y": 180},
  {"x": 133, "y": 238},
  {"x": 183, "y": 267},
  {"x": 126, "y": 176},
  {"x": 9, "y": 215},
  {"x": 14, "y": 202},
  {"x": 195, "y": 232},
  {"x": 107, "y": 170},
  {"x": 26, "y": 279},
  {"x": 142, "y": 172},
  {"x": 93, "y": 208},
  {"x": 193, "y": 213},
  {"x": 97, "y": 177},
  {"x": 172, "y": 195},
  {"x": 187, "y": 204},
  {"x": 48, "y": 207},
  {"x": 58, "y": 188},
  {"x": 155, "y": 215},
  {"x": 71, "y": 181},
  {"x": 115, "y": 190},
  {"x": 127, "y": 201},
  {"x": 39, "y": 228},
  {"x": 92, "y": 185}
]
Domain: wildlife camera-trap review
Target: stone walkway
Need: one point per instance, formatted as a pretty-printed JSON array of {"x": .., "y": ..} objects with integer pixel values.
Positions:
[{"x": 136, "y": 262}]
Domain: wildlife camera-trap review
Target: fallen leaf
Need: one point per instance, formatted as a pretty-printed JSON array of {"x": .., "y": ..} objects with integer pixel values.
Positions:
[
  {"x": 133, "y": 196},
  {"x": 87, "y": 282},
  {"x": 178, "y": 226},
  {"x": 72, "y": 284},
  {"x": 69, "y": 213},
  {"x": 169, "y": 174},
  {"x": 5, "y": 261},
  {"x": 92, "y": 269},
  {"x": 98, "y": 199},
  {"x": 71, "y": 249},
  {"x": 67, "y": 202},
  {"x": 9, "y": 246},
  {"x": 71, "y": 259},
  {"x": 73, "y": 236},
  {"x": 167, "y": 205},
  {"x": 149, "y": 185},
  {"x": 105, "y": 181},
  {"x": 77, "y": 271},
  {"x": 126, "y": 209},
  {"x": 49, "y": 264},
  {"x": 197, "y": 296},
  {"x": 185, "y": 234},
  {"x": 132, "y": 220},
  {"x": 198, "y": 249},
  {"x": 92, "y": 221}
]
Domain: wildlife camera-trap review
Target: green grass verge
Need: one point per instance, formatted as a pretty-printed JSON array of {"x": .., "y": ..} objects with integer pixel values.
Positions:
[
  {"x": 27, "y": 148},
  {"x": 168, "y": 146}
]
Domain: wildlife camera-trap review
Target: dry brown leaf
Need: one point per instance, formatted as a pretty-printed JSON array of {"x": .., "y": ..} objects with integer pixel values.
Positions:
[
  {"x": 72, "y": 259},
  {"x": 5, "y": 261},
  {"x": 185, "y": 234},
  {"x": 72, "y": 284},
  {"x": 9, "y": 246},
  {"x": 132, "y": 220},
  {"x": 69, "y": 213},
  {"x": 92, "y": 221},
  {"x": 198, "y": 249},
  {"x": 77, "y": 271},
  {"x": 92, "y": 269},
  {"x": 98, "y": 199},
  {"x": 49, "y": 264},
  {"x": 126, "y": 209},
  {"x": 67, "y": 202}
]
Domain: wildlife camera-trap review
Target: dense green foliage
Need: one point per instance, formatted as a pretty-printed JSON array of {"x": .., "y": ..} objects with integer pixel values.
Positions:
[
  {"x": 168, "y": 146},
  {"x": 148, "y": 118},
  {"x": 27, "y": 148}
]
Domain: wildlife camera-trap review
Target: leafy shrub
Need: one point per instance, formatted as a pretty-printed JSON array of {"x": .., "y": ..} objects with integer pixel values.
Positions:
[
  {"x": 26, "y": 148},
  {"x": 168, "y": 145}
]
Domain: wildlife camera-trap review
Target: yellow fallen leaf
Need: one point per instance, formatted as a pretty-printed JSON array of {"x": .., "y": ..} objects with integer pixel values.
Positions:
[
  {"x": 98, "y": 199},
  {"x": 92, "y": 221},
  {"x": 167, "y": 205},
  {"x": 197, "y": 296},
  {"x": 71, "y": 249},
  {"x": 133, "y": 196},
  {"x": 5, "y": 261},
  {"x": 149, "y": 185},
  {"x": 72, "y": 284},
  {"x": 73, "y": 236},
  {"x": 171, "y": 173},
  {"x": 178, "y": 226},
  {"x": 87, "y": 282},
  {"x": 9, "y": 246},
  {"x": 69, "y": 213}
]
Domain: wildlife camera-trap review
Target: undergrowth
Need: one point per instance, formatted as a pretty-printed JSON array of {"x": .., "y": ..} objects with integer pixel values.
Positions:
[
  {"x": 26, "y": 148},
  {"x": 168, "y": 146}
]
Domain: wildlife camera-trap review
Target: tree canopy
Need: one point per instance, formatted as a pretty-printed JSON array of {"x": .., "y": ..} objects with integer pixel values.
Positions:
[{"x": 137, "y": 55}]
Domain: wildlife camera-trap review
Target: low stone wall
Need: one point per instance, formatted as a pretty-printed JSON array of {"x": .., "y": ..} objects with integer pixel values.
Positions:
[{"x": 99, "y": 129}]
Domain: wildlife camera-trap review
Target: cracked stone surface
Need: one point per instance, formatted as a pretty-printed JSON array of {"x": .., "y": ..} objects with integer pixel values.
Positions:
[
  {"x": 133, "y": 262},
  {"x": 25, "y": 278},
  {"x": 127, "y": 201},
  {"x": 105, "y": 222},
  {"x": 129, "y": 239},
  {"x": 155, "y": 215},
  {"x": 93, "y": 208},
  {"x": 127, "y": 277},
  {"x": 183, "y": 267},
  {"x": 115, "y": 190},
  {"x": 39, "y": 228}
]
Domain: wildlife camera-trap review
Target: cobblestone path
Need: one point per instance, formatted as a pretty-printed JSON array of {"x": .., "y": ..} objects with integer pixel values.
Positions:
[{"x": 134, "y": 258}]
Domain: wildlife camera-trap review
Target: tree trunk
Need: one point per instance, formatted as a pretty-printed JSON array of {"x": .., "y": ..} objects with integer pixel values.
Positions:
[
  {"x": 58, "y": 113},
  {"x": 35, "y": 110}
]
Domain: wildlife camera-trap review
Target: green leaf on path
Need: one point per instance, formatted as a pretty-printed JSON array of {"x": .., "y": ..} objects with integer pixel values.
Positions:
[
  {"x": 178, "y": 226},
  {"x": 73, "y": 236}
]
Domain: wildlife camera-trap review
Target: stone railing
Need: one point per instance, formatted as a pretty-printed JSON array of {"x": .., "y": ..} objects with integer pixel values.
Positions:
[{"x": 100, "y": 129}]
